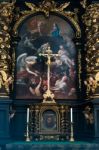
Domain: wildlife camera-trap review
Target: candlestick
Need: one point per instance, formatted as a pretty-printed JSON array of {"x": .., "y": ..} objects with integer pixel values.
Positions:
[
  {"x": 71, "y": 133},
  {"x": 71, "y": 115},
  {"x": 27, "y": 127},
  {"x": 27, "y": 133},
  {"x": 71, "y": 125},
  {"x": 27, "y": 115}
]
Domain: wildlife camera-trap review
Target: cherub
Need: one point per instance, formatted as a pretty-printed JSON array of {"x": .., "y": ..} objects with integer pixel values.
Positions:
[{"x": 5, "y": 80}]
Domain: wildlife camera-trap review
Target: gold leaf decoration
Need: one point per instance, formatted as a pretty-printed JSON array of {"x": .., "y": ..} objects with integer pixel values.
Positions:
[
  {"x": 6, "y": 15},
  {"x": 31, "y": 6},
  {"x": 4, "y": 75},
  {"x": 91, "y": 20},
  {"x": 84, "y": 3},
  {"x": 63, "y": 6},
  {"x": 47, "y": 6}
]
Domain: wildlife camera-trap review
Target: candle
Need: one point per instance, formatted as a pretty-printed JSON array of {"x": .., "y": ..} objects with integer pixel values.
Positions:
[
  {"x": 27, "y": 115},
  {"x": 71, "y": 114}
]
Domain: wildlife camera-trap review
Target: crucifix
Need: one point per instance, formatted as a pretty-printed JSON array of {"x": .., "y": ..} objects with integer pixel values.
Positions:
[{"x": 48, "y": 95}]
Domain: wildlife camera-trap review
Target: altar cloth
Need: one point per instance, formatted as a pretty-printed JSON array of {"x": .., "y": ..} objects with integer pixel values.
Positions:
[{"x": 52, "y": 146}]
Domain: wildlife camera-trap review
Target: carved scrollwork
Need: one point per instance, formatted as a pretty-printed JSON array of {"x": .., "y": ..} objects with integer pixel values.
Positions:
[
  {"x": 91, "y": 20},
  {"x": 83, "y": 3},
  {"x": 46, "y": 6},
  {"x": 6, "y": 15}
]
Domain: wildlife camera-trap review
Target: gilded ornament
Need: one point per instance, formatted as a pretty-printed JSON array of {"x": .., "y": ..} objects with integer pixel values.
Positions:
[
  {"x": 88, "y": 115},
  {"x": 5, "y": 28},
  {"x": 6, "y": 14},
  {"x": 6, "y": 39},
  {"x": 1, "y": 40},
  {"x": 83, "y": 3},
  {"x": 47, "y": 6},
  {"x": 90, "y": 18},
  {"x": 3, "y": 57},
  {"x": 97, "y": 77},
  {"x": 2, "y": 46}
]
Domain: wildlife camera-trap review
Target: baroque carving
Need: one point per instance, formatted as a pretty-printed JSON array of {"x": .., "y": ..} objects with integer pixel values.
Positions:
[
  {"x": 46, "y": 6},
  {"x": 6, "y": 15},
  {"x": 88, "y": 115},
  {"x": 91, "y": 20},
  {"x": 84, "y": 3}
]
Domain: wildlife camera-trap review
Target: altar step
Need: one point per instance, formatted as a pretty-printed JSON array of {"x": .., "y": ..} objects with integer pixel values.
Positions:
[{"x": 52, "y": 146}]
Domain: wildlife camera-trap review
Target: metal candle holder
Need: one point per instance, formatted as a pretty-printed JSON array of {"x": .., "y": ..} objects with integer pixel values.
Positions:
[
  {"x": 27, "y": 133},
  {"x": 71, "y": 133}
]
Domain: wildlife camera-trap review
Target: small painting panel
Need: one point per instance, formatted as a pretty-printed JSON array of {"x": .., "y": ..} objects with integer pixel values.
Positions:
[{"x": 49, "y": 121}]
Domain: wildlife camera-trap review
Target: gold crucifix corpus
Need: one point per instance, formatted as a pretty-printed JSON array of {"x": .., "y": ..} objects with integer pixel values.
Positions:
[{"x": 48, "y": 95}]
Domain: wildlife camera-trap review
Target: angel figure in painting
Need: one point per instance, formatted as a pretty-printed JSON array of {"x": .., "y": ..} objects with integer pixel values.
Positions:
[
  {"x": 24, "y": 63},
  {"x": 64, "y": 56}
]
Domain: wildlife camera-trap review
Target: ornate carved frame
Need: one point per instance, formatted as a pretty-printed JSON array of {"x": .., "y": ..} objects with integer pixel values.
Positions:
[{"x": 63, "y": 124}]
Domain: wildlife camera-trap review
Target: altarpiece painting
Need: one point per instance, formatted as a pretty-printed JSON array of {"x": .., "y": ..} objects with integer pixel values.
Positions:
[{"x": 37, "y": 33}]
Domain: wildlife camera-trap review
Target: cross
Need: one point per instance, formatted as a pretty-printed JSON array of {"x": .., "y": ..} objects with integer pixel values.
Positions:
[{"x": 48, "y": 94}]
